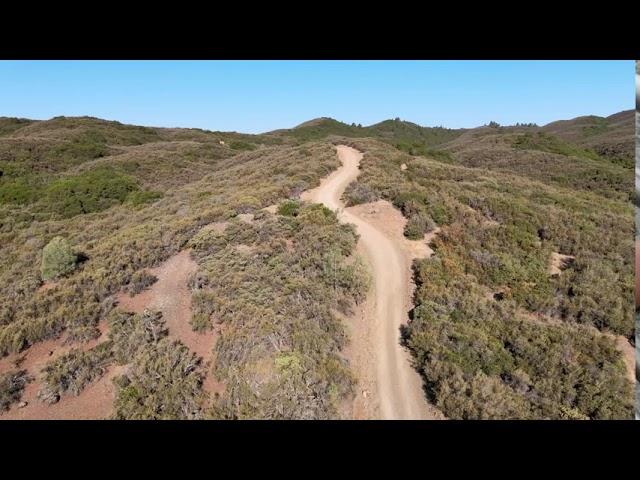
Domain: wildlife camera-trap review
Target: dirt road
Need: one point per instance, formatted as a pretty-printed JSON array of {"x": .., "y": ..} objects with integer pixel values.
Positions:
[{"x": 399, "y": 387}]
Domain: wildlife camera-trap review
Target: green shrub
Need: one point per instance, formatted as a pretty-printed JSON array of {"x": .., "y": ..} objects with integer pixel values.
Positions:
[
  {"x": 131, "y": 333},
  {"x": 142, "y": 197},
  {"x": 319, "y": 214},
  {"x": 163, "y": 383},
  {"x": 423, "y": 150},
  {"x": 20, "y": 190},
  {"x": 599, "y": 128},
  {"x": 549, "y": 143},
  {"x": 57, "y": 259},
  {"x": 84, "y": 147},
  {"x": 88, "y": 192},
  {"x": 440, "y": 155},
  {"x": 419, "y": 224},
  {"x": 242, "y": 145},
  {"x": 289, "y": 208},
  {"x": 247, "y": 204}
]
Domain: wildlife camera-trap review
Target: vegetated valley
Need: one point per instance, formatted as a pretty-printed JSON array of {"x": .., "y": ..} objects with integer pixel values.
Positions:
[{"x": 151, "y": 273}]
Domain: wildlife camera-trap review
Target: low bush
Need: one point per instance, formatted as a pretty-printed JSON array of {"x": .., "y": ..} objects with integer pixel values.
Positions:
[
  {"x": 57, "y": 259},
  {"x": 143, "y": 197},
  {"x": 247, "y": 204},
  {"x": 79, "y": 331},
  {"x": 131, "y": 333},
  {"x": 357, "y": 193},
  {"x": 72, "y": 372},
  {"x": 162, "y": 383},
  {"x": 549, "y": 143},
  {"x": 203, "y": 306},
  {"x": 289, "y": 208},
  {"x": 140, "y": 281},
  {"x": 241, "y": 145},
  {"x": 11, "y": 387},
  {"x": 419, "y": 224},
  {"x": 21, "y": 190}
]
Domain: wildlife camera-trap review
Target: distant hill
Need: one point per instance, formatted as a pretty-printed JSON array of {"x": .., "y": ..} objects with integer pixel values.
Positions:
[
  {"x": 319, "y": 128},
  {"x": 611, "y": 136},
  {"x": 9, "y": 125},
  {"x": 608, "y": 137},
  {"x": 411, "y": 137},
  {"x": 406, "y": 136},
  {"x": 566, "y": 152},
  {"x": 315, "y": 122},
  {"x": 590, "y": 153},
  {"x": 36, "y": 154}
]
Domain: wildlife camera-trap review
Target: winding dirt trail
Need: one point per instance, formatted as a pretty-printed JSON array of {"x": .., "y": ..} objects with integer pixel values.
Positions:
[{"x": 399, "y": 387}]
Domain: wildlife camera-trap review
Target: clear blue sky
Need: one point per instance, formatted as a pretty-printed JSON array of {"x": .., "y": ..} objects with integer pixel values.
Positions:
[{"x": 257, "y": 96}]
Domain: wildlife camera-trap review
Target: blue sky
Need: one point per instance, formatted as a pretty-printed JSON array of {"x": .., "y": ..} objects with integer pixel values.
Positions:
[{"x": 258, "y": 96}]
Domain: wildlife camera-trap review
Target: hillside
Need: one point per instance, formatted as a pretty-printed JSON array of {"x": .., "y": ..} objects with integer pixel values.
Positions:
[
  {"x": 266, "y": 280},
  {"x": 611, "y": 137},
  {"x": 130, "y": 207},
  {"x": 602, "y": 138},
  {"x": 560, "y": 153},
  {"x": 493, "y": 332}
]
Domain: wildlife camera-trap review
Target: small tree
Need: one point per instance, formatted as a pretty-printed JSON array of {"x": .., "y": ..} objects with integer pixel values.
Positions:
[{"x": 57, "y": 259}]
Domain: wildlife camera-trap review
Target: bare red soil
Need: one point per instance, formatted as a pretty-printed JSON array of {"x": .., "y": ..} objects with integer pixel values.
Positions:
[
  {"x": 94, "y": 402},
  {"x": 171, "y": 295}
]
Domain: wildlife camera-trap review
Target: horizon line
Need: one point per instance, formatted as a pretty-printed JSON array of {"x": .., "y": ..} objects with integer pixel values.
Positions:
[{"x": 306, "y": 121}]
